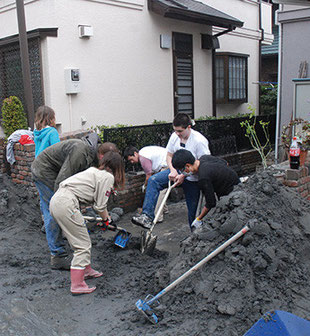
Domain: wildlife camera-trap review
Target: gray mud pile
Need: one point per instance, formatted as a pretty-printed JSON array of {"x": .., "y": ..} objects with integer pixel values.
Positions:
[{"x": 267, "y": 269}]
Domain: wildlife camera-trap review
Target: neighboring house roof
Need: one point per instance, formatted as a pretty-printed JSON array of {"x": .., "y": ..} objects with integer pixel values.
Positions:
[
  {"x": 193, "y": 11},
  {"x": 272, "y": 49},
  {"x": 39, "y": 32}
]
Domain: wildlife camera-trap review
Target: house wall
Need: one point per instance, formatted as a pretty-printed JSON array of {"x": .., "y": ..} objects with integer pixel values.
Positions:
[
  {"x": 126, "y": 78},
  {"x": 245, "y": 40},
  {"x": 295, "y": 49}
]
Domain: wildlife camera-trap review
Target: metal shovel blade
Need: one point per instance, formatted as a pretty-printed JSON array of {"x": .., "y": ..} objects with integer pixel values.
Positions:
[{"x": 148, "y": 242}]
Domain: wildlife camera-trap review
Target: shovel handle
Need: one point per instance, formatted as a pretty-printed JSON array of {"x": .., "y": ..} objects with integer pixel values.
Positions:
[
  {"x": 163, "y": 203},
  {"x": 200, "y": 263}
]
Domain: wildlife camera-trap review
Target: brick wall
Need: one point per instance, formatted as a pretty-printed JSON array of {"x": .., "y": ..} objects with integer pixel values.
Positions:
[
  {"x": 298, "y": 180},
  {"x": 20, "y": 171},
  {"x": 131, "y": 197}
]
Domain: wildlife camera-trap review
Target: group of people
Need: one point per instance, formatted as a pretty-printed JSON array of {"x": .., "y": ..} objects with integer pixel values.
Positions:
[
  {"x": 189, "y": 164},
  {"x": 77, "y": 171}
]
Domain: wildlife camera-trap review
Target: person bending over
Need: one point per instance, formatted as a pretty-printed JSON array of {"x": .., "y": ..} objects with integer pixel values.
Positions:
[
  {"x": 183, "y": 137},
  {"x": 152, "y": 160},
  {"x": 91, "y": 186},
  {"x": 214, "y": 178},
  {"x": 52, "y": 166}
]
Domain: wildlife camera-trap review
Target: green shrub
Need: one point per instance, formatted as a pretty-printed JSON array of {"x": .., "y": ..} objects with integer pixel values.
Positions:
[
  {"x": 230, "y": 116},
  {"x": 13, "y": 116},
  {"x": 268, "y": 100}
]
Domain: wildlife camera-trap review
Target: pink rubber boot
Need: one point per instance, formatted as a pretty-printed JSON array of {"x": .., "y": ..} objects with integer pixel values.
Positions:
[
  {"x": 78, "y": 285},
  {"x": 91, "y": 273}
]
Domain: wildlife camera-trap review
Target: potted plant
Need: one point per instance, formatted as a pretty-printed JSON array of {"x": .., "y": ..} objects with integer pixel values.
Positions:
[{"x": 301, "y": 129}]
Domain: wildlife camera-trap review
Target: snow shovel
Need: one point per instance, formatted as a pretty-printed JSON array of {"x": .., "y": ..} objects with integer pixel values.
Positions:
[
  {"x": 144, "y": 306},
  {"x": 148, "y": 240},
  {"x": 122, "y": 237}
]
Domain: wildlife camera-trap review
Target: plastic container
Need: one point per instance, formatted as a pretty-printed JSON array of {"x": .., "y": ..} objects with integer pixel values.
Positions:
[{"x": 294, "y": 154}]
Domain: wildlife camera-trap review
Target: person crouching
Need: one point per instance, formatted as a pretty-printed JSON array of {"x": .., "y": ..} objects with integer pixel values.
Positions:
[{"x": 91, "y": 186}]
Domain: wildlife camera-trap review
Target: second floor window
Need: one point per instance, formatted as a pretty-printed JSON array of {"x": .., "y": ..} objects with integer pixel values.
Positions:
[{"x": 231, "y": 77}]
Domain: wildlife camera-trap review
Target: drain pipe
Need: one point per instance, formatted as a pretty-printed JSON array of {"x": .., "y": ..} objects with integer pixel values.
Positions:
[
  {"x": 225, "y": 31},
  {"x": 278, "y": 114},
  {"x": 262, "y": 36}
]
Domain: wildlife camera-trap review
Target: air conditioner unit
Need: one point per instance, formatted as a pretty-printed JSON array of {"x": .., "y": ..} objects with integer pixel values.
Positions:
[{"x": 85, "y": 31}]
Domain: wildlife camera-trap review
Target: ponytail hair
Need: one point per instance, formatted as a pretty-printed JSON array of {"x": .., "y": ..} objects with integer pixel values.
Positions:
[
  {"x": 45, "y": 116},
  {"x": 183, "y": 120},
  {"x": 114, "y": 164}
]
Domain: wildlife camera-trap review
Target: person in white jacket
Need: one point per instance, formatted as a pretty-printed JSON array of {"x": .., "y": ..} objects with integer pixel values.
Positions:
[{"x": 91, "y": 186}]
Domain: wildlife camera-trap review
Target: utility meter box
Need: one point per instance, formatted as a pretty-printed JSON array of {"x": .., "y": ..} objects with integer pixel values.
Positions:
[{"x": 72, "y": 81}]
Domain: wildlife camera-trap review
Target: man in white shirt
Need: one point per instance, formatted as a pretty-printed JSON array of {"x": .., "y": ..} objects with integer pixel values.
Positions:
[
  {"x": 183, "y": 137},
  {"x": 152, "y": 160}
]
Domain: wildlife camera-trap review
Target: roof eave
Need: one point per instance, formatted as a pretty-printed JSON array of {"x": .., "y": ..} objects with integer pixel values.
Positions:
[
  {"x": 181, "y": 14},
  {"x": 191, "y": 16}
]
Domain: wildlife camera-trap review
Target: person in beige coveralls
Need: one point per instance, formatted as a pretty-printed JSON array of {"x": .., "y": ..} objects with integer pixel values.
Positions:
[{"x": 92, "y": 186}]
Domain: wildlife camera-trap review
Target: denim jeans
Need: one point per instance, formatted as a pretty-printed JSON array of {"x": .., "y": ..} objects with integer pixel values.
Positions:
[
  {"x": 52, "y": 229},
  {"x": 158, "y": 182}
]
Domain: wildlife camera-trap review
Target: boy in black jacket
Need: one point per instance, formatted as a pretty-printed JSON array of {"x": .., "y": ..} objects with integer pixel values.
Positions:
[{"x": 214, "y": 177}]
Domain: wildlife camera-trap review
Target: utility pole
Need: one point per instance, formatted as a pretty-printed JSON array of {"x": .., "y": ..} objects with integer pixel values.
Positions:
[{"x": 24, "y": 55}]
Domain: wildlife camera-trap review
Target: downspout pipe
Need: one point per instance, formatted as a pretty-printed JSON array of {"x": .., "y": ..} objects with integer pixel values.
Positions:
[
  {"x": 278, "y": 114},
  {"x": 231, "y": 28},
  {"x": 262, "y": 36}
]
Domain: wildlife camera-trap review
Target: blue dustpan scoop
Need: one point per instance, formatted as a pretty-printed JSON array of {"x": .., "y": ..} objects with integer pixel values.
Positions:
[
  {"x": 122, "y": 238},
  {"x": 280, "y": 323}
]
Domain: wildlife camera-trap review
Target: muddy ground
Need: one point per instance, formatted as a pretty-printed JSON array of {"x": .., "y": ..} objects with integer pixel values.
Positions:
[{"x": 267, "y": 269}]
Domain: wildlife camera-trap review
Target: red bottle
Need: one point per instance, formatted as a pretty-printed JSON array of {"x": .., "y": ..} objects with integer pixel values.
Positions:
[{"x": 294, "y": 154}]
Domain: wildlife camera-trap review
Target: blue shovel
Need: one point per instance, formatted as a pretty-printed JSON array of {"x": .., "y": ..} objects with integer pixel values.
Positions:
[{"x": 122, "y": 237}]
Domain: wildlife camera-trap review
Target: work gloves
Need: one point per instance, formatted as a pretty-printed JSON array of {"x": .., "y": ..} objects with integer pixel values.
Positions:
[
  {"x": 197, "y": 223},
  {"x": 107, "y": 225}
]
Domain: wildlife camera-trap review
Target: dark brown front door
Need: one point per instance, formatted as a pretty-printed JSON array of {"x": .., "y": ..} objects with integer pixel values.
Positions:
[{"x": 183, "y": 74}]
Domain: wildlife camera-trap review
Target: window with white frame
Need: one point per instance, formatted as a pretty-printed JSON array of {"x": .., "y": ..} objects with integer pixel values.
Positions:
[{"x": 231, "y": 73}]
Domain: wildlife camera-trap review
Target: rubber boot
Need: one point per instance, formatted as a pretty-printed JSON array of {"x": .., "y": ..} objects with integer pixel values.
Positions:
[
  {"x": 61, "y": 262},
  {"x": 78, "y": 285},
  {"x": 91, "y": 273}
]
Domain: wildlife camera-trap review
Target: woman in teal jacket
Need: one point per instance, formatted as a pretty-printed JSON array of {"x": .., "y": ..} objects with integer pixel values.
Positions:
[{"x": 45, "y": 133}]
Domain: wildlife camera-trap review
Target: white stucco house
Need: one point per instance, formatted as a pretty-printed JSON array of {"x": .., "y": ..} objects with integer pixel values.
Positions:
[
  {"x": 107, "y": 62},
  {"x": 293, "y": 20}
]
